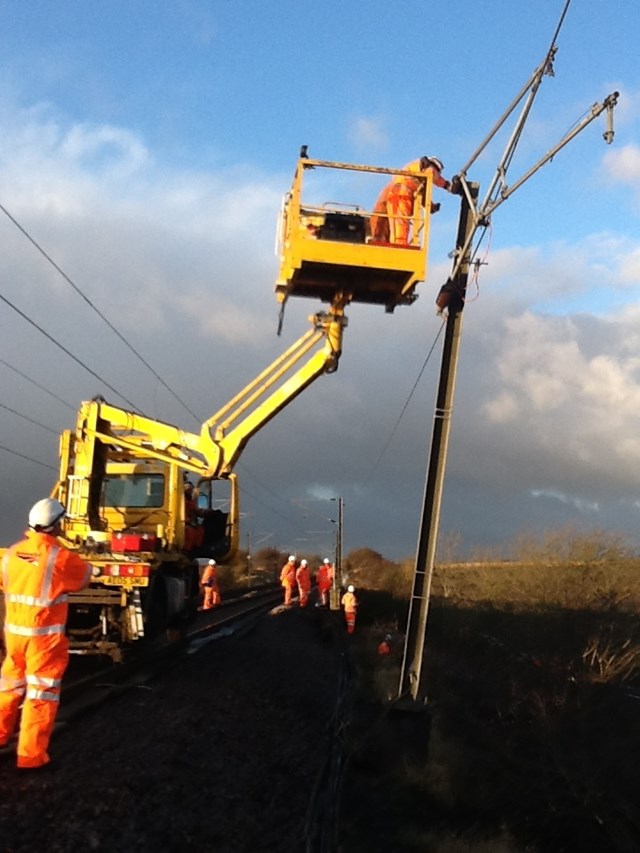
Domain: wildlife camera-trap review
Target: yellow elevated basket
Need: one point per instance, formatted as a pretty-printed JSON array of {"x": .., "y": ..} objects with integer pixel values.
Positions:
[{"x": 326, "y": 248}]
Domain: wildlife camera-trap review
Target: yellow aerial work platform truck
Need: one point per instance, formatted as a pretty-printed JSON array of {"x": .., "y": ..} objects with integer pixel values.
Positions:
[{"x": 122, "y": 474}]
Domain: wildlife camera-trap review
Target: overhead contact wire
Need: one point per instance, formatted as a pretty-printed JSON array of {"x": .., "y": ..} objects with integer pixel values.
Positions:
[
  {"x": 37, "y": 384},
  {"x": 27, "y": 418},
  {"x": 99, "y": 313},
  {"x": 28, "y": 458},
  {"x": 408, "y": 400},
  {"x": 66, "y": 351}
]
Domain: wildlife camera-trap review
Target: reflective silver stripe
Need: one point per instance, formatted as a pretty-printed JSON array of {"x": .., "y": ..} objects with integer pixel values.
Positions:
[
  {"x": 9, "y": 685},
  {"x": 45, "y": 591},
  {"x": 33, "y": 632},
  {"x": 5, "y": 567},
  {"x": 32, "y": 693},
  {"x": 40, "y": 681},
  {"x": 31, "y": 601}
]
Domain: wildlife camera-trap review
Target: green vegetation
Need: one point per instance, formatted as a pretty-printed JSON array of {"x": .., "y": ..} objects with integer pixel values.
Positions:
[{"x": 532, "y": 673}]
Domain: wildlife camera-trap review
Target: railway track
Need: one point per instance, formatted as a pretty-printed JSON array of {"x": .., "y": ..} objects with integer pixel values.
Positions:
[{"x": 90, "y": 682}]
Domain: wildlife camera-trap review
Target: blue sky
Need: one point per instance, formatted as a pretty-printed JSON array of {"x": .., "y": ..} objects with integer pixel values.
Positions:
[{"x": 147, "y": 146}]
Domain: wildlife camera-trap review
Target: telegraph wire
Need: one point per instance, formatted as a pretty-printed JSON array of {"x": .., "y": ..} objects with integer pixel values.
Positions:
[{"x": 99, "y": 313}]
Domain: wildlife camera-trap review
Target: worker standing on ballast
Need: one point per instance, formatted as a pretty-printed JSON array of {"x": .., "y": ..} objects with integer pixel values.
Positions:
[
  {"x": 303, "y": 579},
  {"x": 35, "y": 575},
  {"x": 350, "y": 605},
  {"x": 288, "y": 579},
  {"x": 209, "y": 583},
  {"x": 324, "y": 581},
  {"x": 391, "y": 217}
]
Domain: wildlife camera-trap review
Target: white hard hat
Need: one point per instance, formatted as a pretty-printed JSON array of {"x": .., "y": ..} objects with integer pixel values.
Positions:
[
  {"x": 351, "y": 588},
  {"x": 212, "y": 562},
  {"x": 435, "y": 162},
  {"x": 45, "y": 514},
  {"x": 303, "y": 562},
  {"x": 292, "y": 558},
  {"x": 326, "y": 560}
]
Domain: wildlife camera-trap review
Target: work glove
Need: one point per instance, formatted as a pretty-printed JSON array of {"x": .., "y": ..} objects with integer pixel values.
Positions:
[
  {"x": 435, "y": 206},
  {"x": 455, "y": 185}
]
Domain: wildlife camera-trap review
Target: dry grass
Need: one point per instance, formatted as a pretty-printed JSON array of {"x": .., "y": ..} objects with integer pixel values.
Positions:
[{"x": 530, "y": 672}]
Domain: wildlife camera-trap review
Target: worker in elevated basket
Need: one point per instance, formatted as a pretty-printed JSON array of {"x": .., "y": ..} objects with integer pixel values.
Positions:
[
  {"x": 35, "y": 575},
  {"x": 288, "y": 579},
  {"x": 209, "y": 583},
  {"x": 391, "y": 217},
  {"x": 303, "y": 579},
  {"x": 350, "y": 605}
]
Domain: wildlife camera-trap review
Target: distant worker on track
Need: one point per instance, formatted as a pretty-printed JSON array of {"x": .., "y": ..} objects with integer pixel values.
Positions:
[
  {"x": 209, "y": 584},
  {"x": 350, "y": 605},
  {"x": 35, "y": 575},
  {"x": 288, "y": 579},
  {"x": 391, "y": 218},
  {"x": 324, "y": 581},
  {"x": 303, "y": 579},
  {"x": 384, "y": 648}
]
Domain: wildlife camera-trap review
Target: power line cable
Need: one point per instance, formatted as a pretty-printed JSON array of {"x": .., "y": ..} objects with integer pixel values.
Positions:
[{"x": 98, "y": 312}]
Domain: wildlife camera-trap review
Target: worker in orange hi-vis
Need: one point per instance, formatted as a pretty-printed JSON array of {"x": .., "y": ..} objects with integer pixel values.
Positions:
[
  {"x": 303, "y": 579},
  {"x": 35, "y": 575},
  {"x": 384, "y": 647},
  {"x": 350, "y": 605},
  {"x": 324, "y": 580},
  {"x": 209, "y": 583},
  {"x": 288, "y": 579},
  {"x": 391, "y": 217}
]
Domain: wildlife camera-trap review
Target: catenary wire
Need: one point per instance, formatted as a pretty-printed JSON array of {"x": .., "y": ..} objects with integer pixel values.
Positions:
[
  {"x": 37, "y": 384},
  {"x": 98, "y": 312},
  {"x": 66, "y": 351},
  {"x": 404, "y": 408},
  {"x": 27, "y": 418},
  {"x": 28, "y": 458}
]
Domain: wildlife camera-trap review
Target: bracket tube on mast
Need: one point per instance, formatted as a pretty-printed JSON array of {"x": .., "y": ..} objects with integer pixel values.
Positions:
[{"x": 608, "y": 104}]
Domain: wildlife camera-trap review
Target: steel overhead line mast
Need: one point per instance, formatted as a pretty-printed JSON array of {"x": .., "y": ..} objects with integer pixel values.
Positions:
[{"x": 473, "y": 215}]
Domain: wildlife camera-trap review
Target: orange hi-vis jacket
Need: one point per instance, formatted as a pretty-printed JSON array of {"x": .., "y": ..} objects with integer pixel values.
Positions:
[
  {"x": 395, "y": 202},
  {"x": 288, "y": 574},
  {"x": 211, "y": 588},
  {"x": 324, "y": 578},
  {"x": 303, "y": 578},
  {"x": 36, "y": 574},
  {"x": 349, "y": 602}
]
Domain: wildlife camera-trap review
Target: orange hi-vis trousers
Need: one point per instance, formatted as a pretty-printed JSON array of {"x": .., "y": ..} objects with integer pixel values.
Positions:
[
  {"x": 350, "y": 617},
  {"x": 36, "y": 576},
  {"x": 211, "y": 597},
  {"x": 44, "y": 658}
]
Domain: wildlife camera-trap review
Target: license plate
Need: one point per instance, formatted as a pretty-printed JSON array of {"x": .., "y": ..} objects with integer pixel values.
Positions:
[{"x": 127, "y": 583}]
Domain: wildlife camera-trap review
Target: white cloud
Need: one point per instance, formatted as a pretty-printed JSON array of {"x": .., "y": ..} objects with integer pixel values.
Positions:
[
  {"x": 369, "y": 133},
  {"x": 624, "y": 163}
]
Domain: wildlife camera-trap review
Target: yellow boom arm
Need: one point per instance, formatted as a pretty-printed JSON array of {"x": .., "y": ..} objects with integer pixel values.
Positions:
[{"x": 214, "y": 451}]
